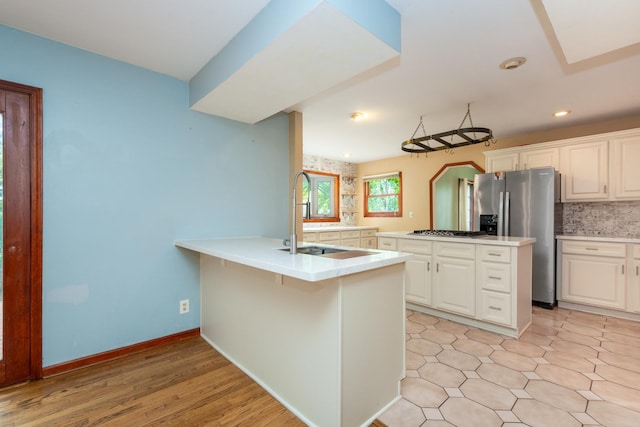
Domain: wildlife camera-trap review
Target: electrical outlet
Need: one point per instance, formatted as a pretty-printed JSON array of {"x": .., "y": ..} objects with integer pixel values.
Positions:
[{"x": 184, "y": 306}]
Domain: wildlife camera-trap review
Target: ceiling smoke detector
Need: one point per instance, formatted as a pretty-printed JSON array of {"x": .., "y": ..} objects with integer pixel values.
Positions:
[{"x": 512, "y": 63}]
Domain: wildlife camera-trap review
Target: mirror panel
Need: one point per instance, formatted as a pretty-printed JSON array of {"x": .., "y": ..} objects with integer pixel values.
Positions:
[{"x": 451, "y": 196}]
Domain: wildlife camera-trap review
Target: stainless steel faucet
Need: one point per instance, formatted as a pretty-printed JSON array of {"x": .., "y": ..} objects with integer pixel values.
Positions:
[{"x": 293, "y": 241}]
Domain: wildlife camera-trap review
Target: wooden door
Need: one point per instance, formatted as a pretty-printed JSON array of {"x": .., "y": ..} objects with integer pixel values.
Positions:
[{"x": 20, "y": 107}]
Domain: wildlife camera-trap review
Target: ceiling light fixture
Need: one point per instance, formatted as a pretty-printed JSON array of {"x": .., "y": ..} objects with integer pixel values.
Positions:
[
  {"x": 561, "y": 113},
  {"x": 459, "y": 137},
  {"x": 512, "y": 63},
  {"x": 357, "y": 116}
]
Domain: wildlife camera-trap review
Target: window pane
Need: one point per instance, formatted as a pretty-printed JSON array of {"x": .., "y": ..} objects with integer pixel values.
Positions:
[
  {"x": 324, "y": 197},
  {"x": 383, "y": 204},
  {"x": 384, "y": 186}
]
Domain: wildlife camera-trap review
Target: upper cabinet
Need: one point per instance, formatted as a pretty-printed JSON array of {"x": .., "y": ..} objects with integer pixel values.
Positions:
[
  {"x": 593, "y": 168},
  {"x": 520, "y": 158},
  {"x": 585, "y": 171},
  {"x": 625, "y": 175}
]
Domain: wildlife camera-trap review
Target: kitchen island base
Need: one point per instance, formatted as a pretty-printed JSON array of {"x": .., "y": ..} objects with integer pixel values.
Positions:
[{"x": 331, "y": 351}]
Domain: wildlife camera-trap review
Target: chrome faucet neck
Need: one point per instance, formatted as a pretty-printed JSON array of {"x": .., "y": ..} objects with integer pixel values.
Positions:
[{"x": 293, "y": 240}]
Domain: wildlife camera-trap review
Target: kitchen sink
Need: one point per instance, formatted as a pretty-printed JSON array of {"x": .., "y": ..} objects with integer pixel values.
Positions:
[{"x": 331, "y": 252}]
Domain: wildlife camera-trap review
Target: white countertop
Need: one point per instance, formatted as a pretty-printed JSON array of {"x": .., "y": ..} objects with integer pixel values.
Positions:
[
  {"x": 598, "y": 238},
  {"x": 316, "y": 228},
  {"x": 264, "y": 253},
  {"x": 483, "y": 240}
]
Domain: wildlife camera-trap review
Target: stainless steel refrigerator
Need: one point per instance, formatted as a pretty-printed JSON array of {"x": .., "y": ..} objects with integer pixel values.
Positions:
[{"x": 525, "y": 204}]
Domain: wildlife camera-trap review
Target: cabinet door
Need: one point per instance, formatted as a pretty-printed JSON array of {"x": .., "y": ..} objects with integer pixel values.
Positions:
[
  {"x": 369, "y": 242},
  {"x": 593, "y": 280},
  {"x": 585, "y": 171},
  {"x": 633, "y": 301},
  {"x": 625, "y": 171},
  {"x": 502, "y": 162},
  {"x": 540, "y": 158},
  {"x": 353, "y": 243},
  {"x": 454, "y": 284},
  {"x": 418, "y": 279}
]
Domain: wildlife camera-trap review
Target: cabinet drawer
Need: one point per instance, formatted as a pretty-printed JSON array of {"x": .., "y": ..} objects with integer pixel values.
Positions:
[
  {"x": 370, "y": 232},
  {"x": 309, "y": 237},
  {"x": 635, "y": 251},
  {"x": 495, "y": 307},
  {"x": 387, "y": 243},
  {"x": 495, "y": 276},
  {"x": 494, "y": 253},
  {"x": 350, "y": 234},
  {"x": 415, "y": 246},
  {"x": 328, "y": 235},
  {"x": 594, "y": 248},
  {"x": 455, "y": 250}
]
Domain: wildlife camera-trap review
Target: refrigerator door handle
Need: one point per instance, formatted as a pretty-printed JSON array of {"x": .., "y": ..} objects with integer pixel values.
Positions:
[
  {"x": 507, "y": 220},
  {"x": 501, "y": 215}
]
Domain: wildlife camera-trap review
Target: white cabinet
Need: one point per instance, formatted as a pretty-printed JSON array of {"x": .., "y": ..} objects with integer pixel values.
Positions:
[
  {"x": 625, "y": 176},
  {"x": 454, "y": 278},
  {"x": 633, "y": 279},
  {"x": 417, "y": 280},
  {"x": 356, "y": 238},
  {"x": 539, "y": 158},
  {"x": 368, "y": 239},
  {"x": 585, "y": 170},
  {"x": 484, "y": 285},
  {"x": 502, "y": 162},
  {"x": 593, "y": 273},
  {"x": 495, "y": 281},
  {"x": 521, "y": 158}
]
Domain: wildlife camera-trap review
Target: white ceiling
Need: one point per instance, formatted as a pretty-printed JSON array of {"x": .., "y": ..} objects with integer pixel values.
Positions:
[{"x": 580, "y": 56}]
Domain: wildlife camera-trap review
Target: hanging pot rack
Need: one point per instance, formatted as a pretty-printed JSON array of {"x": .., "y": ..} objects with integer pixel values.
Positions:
[{"x": 459, "y": 137}]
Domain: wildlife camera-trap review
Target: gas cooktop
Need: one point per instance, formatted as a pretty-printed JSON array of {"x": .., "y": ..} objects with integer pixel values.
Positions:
[{"x": 448, "y": 233}]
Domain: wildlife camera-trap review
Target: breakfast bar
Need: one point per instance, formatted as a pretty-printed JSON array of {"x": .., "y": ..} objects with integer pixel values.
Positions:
[{"x": 323, "y": 335}]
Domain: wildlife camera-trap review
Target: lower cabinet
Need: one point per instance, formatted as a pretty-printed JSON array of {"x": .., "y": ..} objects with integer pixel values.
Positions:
[
  {"x": 488, "y": 286},
  {"x": 358, "y": 238},
  {"x": 633, "y": 280},
  {"x": 417, "y": 270},
  {"x": 593, "y": 273},
  {"x": 454, "y": 279}
]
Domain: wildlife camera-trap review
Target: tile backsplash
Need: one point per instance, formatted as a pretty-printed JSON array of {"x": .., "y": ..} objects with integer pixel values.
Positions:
[{"x": 607, "y": 219}]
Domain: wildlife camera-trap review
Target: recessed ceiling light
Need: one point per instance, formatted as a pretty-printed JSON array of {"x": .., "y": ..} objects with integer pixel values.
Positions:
[
  {"x": 561, "y": 113},
  {"x": 347, "y": 155},
  {"x": 513, "y": 63},
  {"x": 357, "y": 116}
]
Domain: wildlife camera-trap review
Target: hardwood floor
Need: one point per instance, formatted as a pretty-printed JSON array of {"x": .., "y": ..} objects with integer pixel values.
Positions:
[{"x": 186, "y": 383}]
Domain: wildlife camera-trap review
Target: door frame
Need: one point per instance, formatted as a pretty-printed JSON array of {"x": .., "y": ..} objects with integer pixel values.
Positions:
[{"x": 33, "y": 295}]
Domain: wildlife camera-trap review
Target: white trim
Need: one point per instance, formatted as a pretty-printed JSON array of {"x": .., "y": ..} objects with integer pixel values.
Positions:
[{"x": 381, "y": 176}]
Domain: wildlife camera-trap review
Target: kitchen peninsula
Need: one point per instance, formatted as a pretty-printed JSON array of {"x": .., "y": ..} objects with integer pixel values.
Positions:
[
  {"x": 325, "y": 336},
  {"x": 478, "y": 281}
]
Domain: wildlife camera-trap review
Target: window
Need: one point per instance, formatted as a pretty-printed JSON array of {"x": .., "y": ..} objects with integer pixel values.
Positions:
[
  {"x": 383, "y": 195},
  {"x": 323, "y": 193}
]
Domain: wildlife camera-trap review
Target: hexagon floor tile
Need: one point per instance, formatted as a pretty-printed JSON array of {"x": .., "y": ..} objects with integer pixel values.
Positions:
[{"x": 569, "y": 368}]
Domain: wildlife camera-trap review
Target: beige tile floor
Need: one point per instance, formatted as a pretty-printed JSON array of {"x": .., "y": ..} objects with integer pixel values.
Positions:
[{"x": 569, "y": 368}]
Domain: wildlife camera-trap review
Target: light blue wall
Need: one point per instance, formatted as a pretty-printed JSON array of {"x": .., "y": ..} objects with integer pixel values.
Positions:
[{"x": 128, "y": 168}]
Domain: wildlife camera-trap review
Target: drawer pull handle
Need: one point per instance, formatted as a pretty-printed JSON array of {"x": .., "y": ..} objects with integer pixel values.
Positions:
[
  {"x": 493, "y": 254},
  {"x": 495, "y": 308},
  {"x": 591, "y": 249},
  {"x": 495, "y": 277},
  {"x": 428, "y": 266},
  {"x": 637, "y": 270},
  {"x": 437, "y": 267},
  {"x": 622, "y": 268}
]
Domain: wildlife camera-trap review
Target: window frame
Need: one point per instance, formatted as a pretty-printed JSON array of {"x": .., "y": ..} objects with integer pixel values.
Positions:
[
  {"x": 314, "y": 200},
  {"x": 367, "y": 195}
]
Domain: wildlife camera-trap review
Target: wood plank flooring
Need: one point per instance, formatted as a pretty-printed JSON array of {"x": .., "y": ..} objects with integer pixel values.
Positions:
[{"x": 186, "y": 383}]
